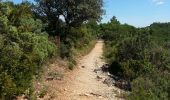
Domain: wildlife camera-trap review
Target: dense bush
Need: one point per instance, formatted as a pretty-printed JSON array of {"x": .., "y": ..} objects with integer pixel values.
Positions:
[
  {"x": 23, "y": 49},
  {"x": 153, "y": 86},
  {"x": 135, "y": 55},
  {"x": 24, "y": 44},
  {"x": 78, "y": 38}
]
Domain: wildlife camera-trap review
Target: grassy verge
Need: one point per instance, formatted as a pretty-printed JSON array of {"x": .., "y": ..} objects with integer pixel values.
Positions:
[{"x": 85, "y": 50}]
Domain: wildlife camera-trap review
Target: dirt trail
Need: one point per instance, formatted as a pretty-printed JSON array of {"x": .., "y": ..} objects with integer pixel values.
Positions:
[{"x": 83, "y": 84}]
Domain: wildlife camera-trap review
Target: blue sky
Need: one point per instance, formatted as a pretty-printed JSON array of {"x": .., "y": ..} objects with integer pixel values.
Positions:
[{"x": 139, "y": 13}]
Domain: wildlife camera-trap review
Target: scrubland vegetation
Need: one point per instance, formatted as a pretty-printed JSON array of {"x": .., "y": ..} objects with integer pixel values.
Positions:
[
  {"x": 140, "y": 56},
  {"x": 32, "y": 33}
]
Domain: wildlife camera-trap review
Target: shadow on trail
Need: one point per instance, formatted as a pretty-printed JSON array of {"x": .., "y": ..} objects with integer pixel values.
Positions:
[{"x": 115, "y": 77}]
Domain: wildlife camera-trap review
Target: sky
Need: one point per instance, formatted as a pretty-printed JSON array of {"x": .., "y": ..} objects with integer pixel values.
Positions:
[{"x": 139, "y": 13}]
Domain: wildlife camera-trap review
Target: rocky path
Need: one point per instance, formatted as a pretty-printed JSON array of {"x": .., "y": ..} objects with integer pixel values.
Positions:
[{"x": 85, "y": 84}]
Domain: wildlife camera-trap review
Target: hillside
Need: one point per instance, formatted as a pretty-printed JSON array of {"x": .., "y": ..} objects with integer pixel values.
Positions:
[{"x": 48, "y": 51}]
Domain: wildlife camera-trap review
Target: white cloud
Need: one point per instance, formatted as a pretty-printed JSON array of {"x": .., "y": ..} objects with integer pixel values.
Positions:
[{"x": 158, "y": 2}]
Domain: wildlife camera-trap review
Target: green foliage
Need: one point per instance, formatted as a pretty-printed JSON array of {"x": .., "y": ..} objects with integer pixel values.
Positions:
[
  {"x": 141, "y": 90},
  {"x": 23, "y": 49},
  {"x": 65, "y": 50},
  {"x": 160, "y": 32},
  {"x": 3, "y": 23},
  {"x": 80, "y": 34},
  {"x": 43, "y": 92},
  {"x": 135, "y": 55},
  {"x": 71, "y": 63},
  {"x": 24, "y": 44},
  {"x": 21, "y": 60},
  {"x": 7, "y": 86},
  {"x": 79, "y": 38},
  {"x": 1, "y": 42},
  {"x": 71, "y": 10},
  {"x": 30, "y": 25},
  {"x": 43, "y": 48},
  {"x": 74, "y": 22},
  {"x": 55, "y": 75},
  {"x": 153, "y": 86}
]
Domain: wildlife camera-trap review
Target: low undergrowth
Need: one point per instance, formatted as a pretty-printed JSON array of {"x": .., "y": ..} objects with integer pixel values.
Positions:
[{"x": 135, "y": 56}]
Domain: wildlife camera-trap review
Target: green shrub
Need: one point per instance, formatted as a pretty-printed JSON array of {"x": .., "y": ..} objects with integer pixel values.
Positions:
[
  {"x": 136, "y": 55},
  {"x": 70, "y": 65},
  {"x": 55, "y": 75},
  {"x": 65, "y": 50},
  {"x": 7, "y": 87},
  {"x": 21, "y": 64},
  {"x": 80, "y": 37},
  {"x": 43, "y": 92},
  {"x": 154, "y": 86},
  {"x": 142, "y": 90},
  {"x": 1, "y": 41},
  {"x": 23, "y": 50}
]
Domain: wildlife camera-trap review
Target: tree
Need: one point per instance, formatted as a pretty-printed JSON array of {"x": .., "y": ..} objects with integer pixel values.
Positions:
[
  {"x": 73, "y": 12},
  {"x": 114, "y": 20},
  {"x": 22, "y": 10},
  {"x": 78, "y": 11}
]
